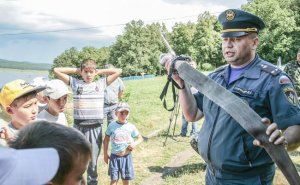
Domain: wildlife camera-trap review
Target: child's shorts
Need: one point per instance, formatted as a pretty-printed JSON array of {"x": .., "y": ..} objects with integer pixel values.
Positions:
[{"x": 121, "y": 165}]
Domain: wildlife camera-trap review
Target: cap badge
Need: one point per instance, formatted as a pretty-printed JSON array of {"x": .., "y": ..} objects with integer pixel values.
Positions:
[
  {"x": 230, "y": 15},
  {"x": 25, "y": 85}
]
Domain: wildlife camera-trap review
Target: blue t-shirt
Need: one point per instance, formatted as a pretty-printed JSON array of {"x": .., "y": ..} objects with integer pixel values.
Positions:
[
  {"x": 121, "y": 135},
  {"x": 235, "y": 73}
]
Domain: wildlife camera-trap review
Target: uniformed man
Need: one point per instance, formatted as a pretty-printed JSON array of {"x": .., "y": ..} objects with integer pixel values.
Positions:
[
  {"x": 228, "y": 150},
  {"x": 112, "y": 94},
  {"x": 292, "y": 68}
]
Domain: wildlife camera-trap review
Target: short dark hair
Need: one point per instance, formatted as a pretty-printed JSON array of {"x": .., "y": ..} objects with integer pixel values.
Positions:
[
  {"x": 69, "y": 143},
  {"x": 88, "y": 63}
]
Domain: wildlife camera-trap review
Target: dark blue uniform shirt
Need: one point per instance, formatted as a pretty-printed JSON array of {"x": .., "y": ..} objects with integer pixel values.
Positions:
[{"x": 225, "y": 146}]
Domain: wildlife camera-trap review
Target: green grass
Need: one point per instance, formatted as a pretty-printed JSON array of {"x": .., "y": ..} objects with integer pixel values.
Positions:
[
  {"x": 148, "y": 114},
  {"x": 147, "y": 111},
  {"x": 151, "y": 156}
]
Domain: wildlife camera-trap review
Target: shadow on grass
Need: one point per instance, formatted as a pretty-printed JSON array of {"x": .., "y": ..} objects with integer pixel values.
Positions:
[
  {"x": 295, "y": 153},
  {"x": 185, "y": 169},
  {"x": 177, "y": 172},
  {"x": 166, "y": 134},
  {"x": 145, "y": 138},
  {"x": 156, "y": 169}
]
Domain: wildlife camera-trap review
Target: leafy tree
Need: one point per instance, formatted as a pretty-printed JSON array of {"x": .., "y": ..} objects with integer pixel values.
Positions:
[
  {"x": 154, "y": 47},
  {"x": 137, "y": 50},
  {"x": 68, "y": 58},
  {"x": 73, "y": 58},
  {"x": 295, "y": 7},
  {"x": 99, "y": 55},
  {"x": 207, "y": 40},
  {"x": 280, "y": 34},
  {"x": 182, "y": 38}
]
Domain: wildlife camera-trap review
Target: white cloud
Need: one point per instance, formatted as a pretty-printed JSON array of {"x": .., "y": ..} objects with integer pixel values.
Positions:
[
  {"x": 44, "y": 15},
  {"x": 108, "y": 16}
]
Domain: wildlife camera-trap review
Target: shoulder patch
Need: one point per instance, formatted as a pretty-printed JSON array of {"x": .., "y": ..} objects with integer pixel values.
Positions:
[
  {"x": 290, "y": 94},
  {"x": 270, "y": 69},
  {"x": 283, "y": 79}
]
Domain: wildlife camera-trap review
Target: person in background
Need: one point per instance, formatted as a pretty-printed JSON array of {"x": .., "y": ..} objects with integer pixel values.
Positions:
[
  {"x": 121, "y": 133},
  {"x": 73, "y": 149},
  {"x": 112, "y": 95},
  {"x": 184, "y": 126},
  {"x": 40, "y": 81},
  {"x": 292, "y": 68},
  {"x": 88, "y": 102},
  {"x": 232, "y": 155},
  {"x": 28, "y": 166},
  {"x": 55, "y": 95},
  {"x": 18, "y": 99}
]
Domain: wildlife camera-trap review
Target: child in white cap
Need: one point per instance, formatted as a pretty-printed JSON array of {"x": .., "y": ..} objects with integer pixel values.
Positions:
[
  {"x": 40, "y": 81},
  {"x": 56, "y": 95}
]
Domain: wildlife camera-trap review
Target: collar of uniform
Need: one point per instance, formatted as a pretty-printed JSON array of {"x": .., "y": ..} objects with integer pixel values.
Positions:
[
  {"x": 225, "y": 73},
  {"x": 253, "y": 71}
]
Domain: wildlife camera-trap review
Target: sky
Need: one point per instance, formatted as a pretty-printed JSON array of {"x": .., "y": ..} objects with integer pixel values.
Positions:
[{"x": 39, "y": 30}]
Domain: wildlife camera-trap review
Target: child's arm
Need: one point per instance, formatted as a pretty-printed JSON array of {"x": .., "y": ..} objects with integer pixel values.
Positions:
[
  {"x": 63, "y": 73},
  {"x": 132, "y": 145},
  {"x": 6, "y": 134},
  {"x": 105, "y": 148},
  {"x": 120, "y": 94},
  {"x": 121, "y": 90},
  {"x": 112, "y": 74}
]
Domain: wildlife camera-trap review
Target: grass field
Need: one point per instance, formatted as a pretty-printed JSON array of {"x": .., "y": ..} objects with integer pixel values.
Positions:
[{"x": 151, "y": 156}]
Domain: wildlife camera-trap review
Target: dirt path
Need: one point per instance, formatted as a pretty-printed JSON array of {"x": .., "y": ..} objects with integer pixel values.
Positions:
[{"x": 175, "y": 163}]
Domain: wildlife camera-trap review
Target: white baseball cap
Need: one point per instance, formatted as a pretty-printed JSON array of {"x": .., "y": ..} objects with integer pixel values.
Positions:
[
  {"x": 56, "y": 89},
  {"x": 122, "y": 106},
  {"x": 40, "y": 81},
  {"x": 28, "y": 166}
]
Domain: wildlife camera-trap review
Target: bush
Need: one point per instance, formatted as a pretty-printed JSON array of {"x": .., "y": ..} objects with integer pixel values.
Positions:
[{"x": 207, "y": 67}]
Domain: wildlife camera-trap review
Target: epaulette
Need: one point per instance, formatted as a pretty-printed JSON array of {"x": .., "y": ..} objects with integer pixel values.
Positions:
[{"x": 270, "y": 69}]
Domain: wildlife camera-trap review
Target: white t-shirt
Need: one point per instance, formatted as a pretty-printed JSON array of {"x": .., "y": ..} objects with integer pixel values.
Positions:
[
  {"x": 88, "y": 99},
  {"x": 45, "y": 115}
]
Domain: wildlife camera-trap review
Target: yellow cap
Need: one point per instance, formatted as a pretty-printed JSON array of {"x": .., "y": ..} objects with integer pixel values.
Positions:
[{"x": 15, "y": 89}]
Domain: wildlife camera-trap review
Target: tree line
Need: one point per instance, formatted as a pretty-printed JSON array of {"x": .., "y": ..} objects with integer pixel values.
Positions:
[{"x": 136, "y": 51}]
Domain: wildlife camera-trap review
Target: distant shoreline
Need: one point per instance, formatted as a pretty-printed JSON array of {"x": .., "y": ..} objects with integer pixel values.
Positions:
[{"x": 24, "y": 70}]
